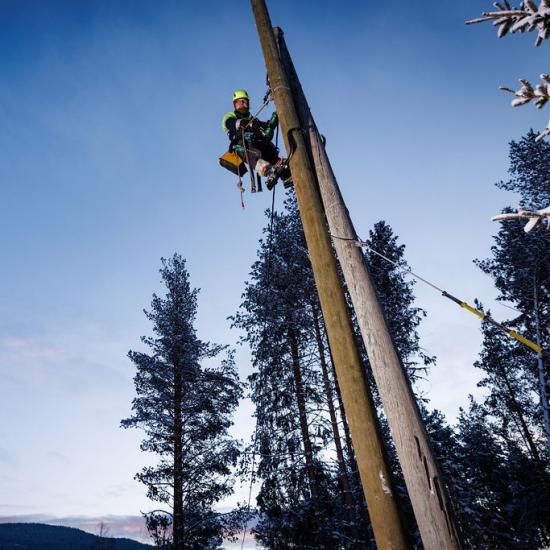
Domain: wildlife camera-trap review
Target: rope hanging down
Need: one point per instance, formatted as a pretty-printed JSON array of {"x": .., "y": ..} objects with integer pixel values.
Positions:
[
  {"x": 268, "y": 278},
  {"x": 510, "y": 332}
]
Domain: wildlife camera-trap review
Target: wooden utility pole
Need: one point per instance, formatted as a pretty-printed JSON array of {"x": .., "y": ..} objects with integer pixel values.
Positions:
[
  {"x": 367, "y": 440},
  {"x": 420, "y": 469}
]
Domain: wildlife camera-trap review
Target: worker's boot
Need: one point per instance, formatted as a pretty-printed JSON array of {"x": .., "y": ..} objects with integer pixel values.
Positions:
[
  {"x": 279, "y": 170},
  {"x": 272, "y": 176}
]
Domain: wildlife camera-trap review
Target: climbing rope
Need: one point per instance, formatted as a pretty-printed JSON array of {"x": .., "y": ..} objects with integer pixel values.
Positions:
[
  {"x": 268, "y": 273},
  {"x": 510, "y": 332},
  {"x": 267, "y": 98}
]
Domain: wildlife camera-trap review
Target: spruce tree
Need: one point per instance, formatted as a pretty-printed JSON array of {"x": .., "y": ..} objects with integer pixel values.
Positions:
[
  {"x": 184, "y": 409},
  {"x": 520, "y": 267}
]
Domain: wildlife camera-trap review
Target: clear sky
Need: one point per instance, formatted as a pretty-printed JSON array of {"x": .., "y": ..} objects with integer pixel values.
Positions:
[{"x": 110, "y": 132}]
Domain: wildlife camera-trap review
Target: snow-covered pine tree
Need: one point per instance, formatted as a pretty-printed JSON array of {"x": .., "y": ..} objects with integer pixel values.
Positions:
[
  {"x": 520, "y": 268},
  {"x": 510, "y": 498},
  {"x": 298, "y": 500},
  {"x": 481, "y": 481},
  {"x": 510, "y": 397},
  {"x": 185, "y": 410}
]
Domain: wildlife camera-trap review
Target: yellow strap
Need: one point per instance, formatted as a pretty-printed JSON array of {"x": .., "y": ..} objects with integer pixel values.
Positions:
[
  {"x": 473, "y": 310},
  {"x": 525, "y": 341},
  {"x": 511, "y": 333}
]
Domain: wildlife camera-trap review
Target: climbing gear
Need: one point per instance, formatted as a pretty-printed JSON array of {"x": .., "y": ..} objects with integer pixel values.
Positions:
[
  {"x": 242, "y": 122},
  {"x": 247, "y": 158},
  {"x": 510, "y": 332},
  {"x": 489, "y": 319},
  {"x": 241, "y": 190},
  {"x": 239, "y": 149},
  {"x": 240, "y": 94},
  {"x": 287, "y": 177},
  {"x": 234, "y": 163},
  {"x": 535, "y": 217},
  {"x": 278, "y": 171},
  {"x": 271, "y": 178},
  {"x": 292, "y": 141}
]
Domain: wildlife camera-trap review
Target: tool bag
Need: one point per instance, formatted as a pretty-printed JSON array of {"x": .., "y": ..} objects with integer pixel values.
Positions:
[{"x": 232, "y": 162}]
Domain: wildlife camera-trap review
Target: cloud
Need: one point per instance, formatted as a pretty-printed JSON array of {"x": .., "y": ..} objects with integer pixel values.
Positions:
[
  {"x": 15, "y": 348},
  {"x": 13, "y": 343}
]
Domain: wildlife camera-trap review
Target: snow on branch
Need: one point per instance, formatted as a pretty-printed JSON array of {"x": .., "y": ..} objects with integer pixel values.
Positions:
[
  {"x": 540, "y": 94},
  {"x": 528, "y": 17}
]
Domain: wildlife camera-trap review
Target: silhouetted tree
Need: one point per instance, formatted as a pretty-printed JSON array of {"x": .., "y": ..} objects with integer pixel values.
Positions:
[{"x": 185, "y": 410}]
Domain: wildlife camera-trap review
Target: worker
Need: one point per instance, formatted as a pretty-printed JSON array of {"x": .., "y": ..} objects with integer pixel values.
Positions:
[{"x": 251, "y": 139}]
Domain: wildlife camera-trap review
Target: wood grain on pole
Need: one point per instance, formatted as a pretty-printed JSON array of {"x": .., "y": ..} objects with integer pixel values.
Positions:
[
  {"x": 420, "y": 469},
  {"x": 367, "y": 441}
]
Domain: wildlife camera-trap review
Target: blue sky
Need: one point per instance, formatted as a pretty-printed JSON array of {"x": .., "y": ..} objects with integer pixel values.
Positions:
[{"x": 110, "y": 132}]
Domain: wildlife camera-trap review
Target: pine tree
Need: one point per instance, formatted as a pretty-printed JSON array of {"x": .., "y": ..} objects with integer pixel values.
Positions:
[
  {"x": 185, "y": 410},
  {"x": 501, "y": 490},
  {"x": 512, "y": 414},
  {"x": 502, "y": 476},
  {"x": 520, "y": 266},
  {"x": 298, "y": 497},
  {"x": 529, "y": 171},
  {"x": 510, "y": 393},
  {"x": 480, "y": 482}
]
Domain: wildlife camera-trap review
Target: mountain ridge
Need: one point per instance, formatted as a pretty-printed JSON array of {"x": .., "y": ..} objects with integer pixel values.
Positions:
[{"x": 41, "y": 536}]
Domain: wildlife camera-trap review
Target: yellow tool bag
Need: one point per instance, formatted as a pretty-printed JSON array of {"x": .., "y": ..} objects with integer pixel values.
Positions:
[{"x": 233, "y": 163}]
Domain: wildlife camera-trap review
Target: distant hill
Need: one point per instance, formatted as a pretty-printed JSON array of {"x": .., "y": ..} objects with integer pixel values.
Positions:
[{"x": 38, "y": 536}]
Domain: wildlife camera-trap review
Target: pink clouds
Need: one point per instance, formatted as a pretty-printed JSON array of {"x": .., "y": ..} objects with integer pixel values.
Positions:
[{"x": 21, "y": 348}]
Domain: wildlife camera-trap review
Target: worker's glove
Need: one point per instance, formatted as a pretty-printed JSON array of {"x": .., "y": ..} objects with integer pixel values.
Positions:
[
  {"x": 268, "y": 132},
  {"x": 239, "y": 149},
  {"x": 249, "y": 137},
  {"x": 273, "y": 121}
]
